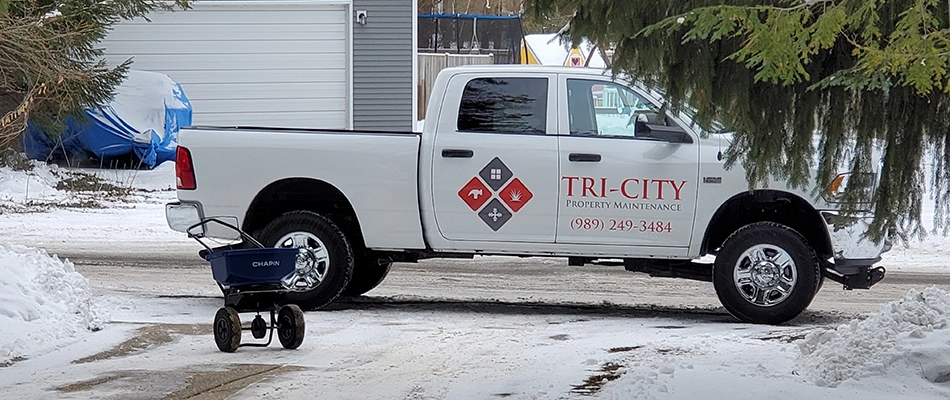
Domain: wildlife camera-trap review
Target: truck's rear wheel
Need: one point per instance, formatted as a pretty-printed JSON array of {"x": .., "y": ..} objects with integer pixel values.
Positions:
[
  {"x": 369, "y": 270},
  {"x": 323, "y": 281},
  {"x": 766, "y": 273}
]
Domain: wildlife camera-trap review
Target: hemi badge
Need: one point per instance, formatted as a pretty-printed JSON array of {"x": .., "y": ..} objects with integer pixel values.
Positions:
[{"x": 712, "y": 179}]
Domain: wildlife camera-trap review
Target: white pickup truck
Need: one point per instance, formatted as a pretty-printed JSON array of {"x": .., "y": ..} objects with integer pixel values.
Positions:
[{"x": 524, "y": 161}]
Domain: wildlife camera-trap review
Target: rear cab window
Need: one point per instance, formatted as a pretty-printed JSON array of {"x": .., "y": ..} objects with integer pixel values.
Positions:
[{"x": 504, "y": 105}]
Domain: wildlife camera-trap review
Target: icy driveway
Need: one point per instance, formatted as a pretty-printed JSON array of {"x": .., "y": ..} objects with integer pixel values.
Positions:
[{"x": 444, "y": 350}]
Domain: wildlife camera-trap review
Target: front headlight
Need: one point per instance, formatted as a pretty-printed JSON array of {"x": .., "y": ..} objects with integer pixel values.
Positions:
[{"x": 848, "y": 186}]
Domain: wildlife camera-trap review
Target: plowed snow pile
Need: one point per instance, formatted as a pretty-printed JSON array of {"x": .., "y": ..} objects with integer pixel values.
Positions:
[
  {"x": 43, "y": 301},
  {"x": 909, "y": 337}
]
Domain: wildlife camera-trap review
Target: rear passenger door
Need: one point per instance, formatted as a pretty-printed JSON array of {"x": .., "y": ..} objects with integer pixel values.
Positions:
[{"x": 495, "y": 161}]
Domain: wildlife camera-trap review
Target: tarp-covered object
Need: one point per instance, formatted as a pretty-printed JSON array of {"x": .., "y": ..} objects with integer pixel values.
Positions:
[{"x": 144, "y": 118}]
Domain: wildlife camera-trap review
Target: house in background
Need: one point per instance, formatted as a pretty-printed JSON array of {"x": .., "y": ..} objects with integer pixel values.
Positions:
[
  {"x": 334, "y": 64},
  {"x": 550, "y": 49}
]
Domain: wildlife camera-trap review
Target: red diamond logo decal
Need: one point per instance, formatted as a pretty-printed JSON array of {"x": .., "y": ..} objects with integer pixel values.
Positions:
[
  {"x": 475, "y": 194},
  {"x": 515, "y": 195}
]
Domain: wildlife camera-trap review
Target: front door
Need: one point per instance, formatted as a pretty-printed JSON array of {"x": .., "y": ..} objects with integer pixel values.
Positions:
[
  {"x": 628, "y": 176},
  {"x": 494, "y": 169}
]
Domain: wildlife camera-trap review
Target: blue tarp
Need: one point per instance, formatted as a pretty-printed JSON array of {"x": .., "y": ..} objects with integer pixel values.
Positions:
[{"x": 132, "y": 123}]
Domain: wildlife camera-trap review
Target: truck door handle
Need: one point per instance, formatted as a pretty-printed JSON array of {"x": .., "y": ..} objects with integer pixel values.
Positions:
[
  {"x": 583, "y": 157},
  {"x": 453, "y": 153}
]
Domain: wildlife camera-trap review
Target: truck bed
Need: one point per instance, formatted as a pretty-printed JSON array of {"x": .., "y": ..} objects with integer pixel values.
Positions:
[{"x": 376, "y": 171}]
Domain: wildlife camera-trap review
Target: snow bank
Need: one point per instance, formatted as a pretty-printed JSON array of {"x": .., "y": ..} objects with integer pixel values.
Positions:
[
  {"x": 907, "y": 337},
  {"x": 43, "y": 302},
  {"x": 36, "y": 190}
]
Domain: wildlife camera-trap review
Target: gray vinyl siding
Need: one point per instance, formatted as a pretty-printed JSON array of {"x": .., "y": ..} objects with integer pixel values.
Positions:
[{"x": 382, "y": 65}]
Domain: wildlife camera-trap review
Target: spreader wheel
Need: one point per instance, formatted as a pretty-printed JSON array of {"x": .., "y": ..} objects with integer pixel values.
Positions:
[
  {"x": 258, "y": 327},
  {"x": 290, "y": 326},
  {"x": 227, "y": 329}
]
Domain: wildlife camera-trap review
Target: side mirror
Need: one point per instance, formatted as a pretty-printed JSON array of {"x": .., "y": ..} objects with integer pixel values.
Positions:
[{"x": 672, "y": 134}]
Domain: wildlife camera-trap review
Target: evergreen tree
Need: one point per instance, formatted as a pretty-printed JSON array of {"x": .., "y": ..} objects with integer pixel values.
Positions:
[
  {"x": 860, "y": 75},
  {"x": 50, "y": 63}
]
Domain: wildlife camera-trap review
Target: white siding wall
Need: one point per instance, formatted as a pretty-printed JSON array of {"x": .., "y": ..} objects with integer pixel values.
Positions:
[{"x": 273, "y": 63}]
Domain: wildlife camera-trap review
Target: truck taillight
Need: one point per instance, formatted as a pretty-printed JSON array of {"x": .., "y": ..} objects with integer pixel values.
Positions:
[{"x": 184, "y": 169}]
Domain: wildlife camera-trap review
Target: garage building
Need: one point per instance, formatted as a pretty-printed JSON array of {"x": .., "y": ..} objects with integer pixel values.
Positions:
[{"x": 295, "y": 64}]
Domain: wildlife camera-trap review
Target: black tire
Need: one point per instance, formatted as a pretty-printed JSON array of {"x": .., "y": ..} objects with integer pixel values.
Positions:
[
  {"x": 290, "y": 326},
  {"x": 369, "y": 270},
  {"x": 336, "y": 272},
  {"x": 227, "y": 329},
  {"x": 778, "y": 286}
]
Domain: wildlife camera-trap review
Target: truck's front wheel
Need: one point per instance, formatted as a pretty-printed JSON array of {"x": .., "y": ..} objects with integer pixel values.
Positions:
[
  {"x": 369, "y": 270},
  {"x": 766, "y": 273},
  {"x": 323, "y": 281}
]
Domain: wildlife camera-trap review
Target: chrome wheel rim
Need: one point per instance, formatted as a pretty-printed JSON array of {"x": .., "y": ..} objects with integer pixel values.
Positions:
[
  {"x": 765, "y": 275},
  {"x": 312, "y": 262}
]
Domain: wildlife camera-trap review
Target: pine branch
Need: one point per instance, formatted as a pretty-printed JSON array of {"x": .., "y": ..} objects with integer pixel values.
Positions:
[
  {"x": 50, "y": 60},
  {"x": 861, "y": 76}
]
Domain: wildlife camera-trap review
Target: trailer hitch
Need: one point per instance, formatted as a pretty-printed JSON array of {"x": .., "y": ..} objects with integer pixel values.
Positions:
[{"x": 860, "y": 277}]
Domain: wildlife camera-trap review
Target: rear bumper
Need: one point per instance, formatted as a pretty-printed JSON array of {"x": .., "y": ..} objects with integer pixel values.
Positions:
[
  {"x": 186, "y": 217},
  {"x": 181, "y": 216}
]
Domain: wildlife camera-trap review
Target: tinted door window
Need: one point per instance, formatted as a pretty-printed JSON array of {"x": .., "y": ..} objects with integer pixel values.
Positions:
[{"x": 504, "y": 105}]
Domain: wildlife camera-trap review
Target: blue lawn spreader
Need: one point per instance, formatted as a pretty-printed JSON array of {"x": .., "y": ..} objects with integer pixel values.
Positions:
[{"x": 252, "y": 280}]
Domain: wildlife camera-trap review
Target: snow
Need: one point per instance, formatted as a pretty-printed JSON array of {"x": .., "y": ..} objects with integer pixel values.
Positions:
[
  {"x": 899, "y": 352},
  {"x": 39, "y": 183},
  {"x": 136, "y": 100},
  {"x": 21, "y": 187},
  {"x": 43, "y": 300},
  {"x": 161, "y": 178},
  {"x": 898, "y": 339},
  {"x": 50, "y": 314}
]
